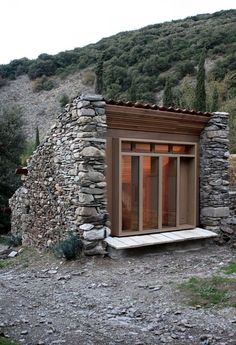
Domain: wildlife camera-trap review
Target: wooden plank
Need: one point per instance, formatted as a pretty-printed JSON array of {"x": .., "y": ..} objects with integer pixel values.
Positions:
[
  {"x": 155, "y": 239},
  {"x": 161, "y": 238},
  {"x": 205, "y": 232},
  {"x": 173, "y": 235},
  {"x": 116, "y": 243}
]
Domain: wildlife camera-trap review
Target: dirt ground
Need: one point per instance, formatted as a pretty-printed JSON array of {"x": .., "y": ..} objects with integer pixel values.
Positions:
[{"x": 133, "y": 300}]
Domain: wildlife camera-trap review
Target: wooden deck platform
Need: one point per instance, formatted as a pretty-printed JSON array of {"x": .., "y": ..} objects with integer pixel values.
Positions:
[{"x": 160, "y": 238}]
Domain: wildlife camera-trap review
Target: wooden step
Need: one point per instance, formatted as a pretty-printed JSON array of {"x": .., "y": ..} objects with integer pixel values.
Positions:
[{"x": 159, "y": 238}]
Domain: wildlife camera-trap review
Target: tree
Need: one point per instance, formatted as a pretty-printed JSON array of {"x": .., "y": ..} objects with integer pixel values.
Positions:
[
  {"x": 37, "y": 141},
  {"x": 215, "y": 100},
  {"x": 168, "y": 95},
  {"x": 99, "y": 77},
  {"x": 12, "y": 143},
  {"x": 200, "y": 91}
]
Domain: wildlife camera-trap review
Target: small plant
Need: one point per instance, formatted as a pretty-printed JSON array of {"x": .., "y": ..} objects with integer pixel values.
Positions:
[
  {"x": 216, "y": 290},
  {"x": 43, "y": 83},
  {"x": 7, "y": 341},
  {"x": 4, "y": 263},
  {"x": 70, "y": 248},
  {"x": 64, "y": 100},
  {"x": 14, "y": 240},
  {"x": 230, "y": 268}
]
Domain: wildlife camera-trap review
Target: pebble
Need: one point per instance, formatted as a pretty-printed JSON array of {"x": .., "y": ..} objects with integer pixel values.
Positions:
[{"x": 24, "y": 332}]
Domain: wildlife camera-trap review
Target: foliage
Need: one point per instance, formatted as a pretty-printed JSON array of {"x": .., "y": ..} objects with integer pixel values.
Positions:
[
  {"x": 12, "y": 143},
  {"x": 200, "y": 92},
  {"x": 70, "y": 248},
  {"x": 4, "y": 263},
  {"x": 216, "y": 290},
  {"x": 99, "y": 77},
  {"x": 43, "y": 83},
  {"x": 7, "y": 341},
  {"x": 37, "y": 140},
  {"x": 232, "y": 170},
  {"x": 3, "y": 82},
  {"x": 230, "y": 268},
  {"x": 215, "y": 100},
  {"x": 64, "y": 100},
  {"x": 88, "y": 77},
  {"x": 141, "y": 56},
  {"x": 14, "y": 240},
  {"x": 135, "y": 65},
  {"x": 168, "y": 95},
  {"x": 27, "y": 152}
]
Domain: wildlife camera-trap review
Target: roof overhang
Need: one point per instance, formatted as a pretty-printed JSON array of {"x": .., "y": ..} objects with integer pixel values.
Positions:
[{"x": 136, "y": 118}]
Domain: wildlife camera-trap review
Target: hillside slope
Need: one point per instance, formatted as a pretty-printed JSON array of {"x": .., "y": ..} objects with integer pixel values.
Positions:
[
  {"x": 40, "y": 108},
  {"x": 134, "y": 65}
]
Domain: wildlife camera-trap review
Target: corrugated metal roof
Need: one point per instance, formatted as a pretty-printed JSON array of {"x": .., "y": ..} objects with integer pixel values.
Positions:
[{"x": 155, "y": 107}]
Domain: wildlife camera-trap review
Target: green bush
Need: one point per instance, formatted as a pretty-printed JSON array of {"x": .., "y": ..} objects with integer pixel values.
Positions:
[
  {"x": 64, "y": 100},
  {"x": 43, "y": 83},
  {"x": 69, "y": 248},
  {"x": 14, "y": 240}
]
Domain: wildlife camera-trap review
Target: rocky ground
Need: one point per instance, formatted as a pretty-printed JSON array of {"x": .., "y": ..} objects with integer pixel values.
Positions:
[{"x": 133, "y": 300}]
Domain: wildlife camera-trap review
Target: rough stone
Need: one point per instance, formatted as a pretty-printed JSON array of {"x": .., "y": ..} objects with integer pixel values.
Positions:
[
  {"x": 86, "y": 227},
  {"x": 92, "y": 152},
  {"x": 65, "y": 174},
  {"x": 215, "y": 212}
]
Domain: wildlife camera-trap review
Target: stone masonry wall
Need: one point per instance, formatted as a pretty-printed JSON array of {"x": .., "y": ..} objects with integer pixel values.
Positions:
[
  {"x": 214, "y": 177},
  {"x": 65, "y": 189}
]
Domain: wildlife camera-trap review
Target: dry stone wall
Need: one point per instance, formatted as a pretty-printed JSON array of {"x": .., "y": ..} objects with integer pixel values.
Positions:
[
  {"x": 65, "y": 189},
  {"x": 214, "y": 177}
]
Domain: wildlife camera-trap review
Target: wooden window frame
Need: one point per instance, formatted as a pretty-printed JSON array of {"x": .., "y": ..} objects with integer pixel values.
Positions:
[{"x": 116, "y": 195}]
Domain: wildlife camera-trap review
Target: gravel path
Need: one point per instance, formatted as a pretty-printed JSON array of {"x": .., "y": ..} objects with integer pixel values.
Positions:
[{"x": 133, "y": 300}]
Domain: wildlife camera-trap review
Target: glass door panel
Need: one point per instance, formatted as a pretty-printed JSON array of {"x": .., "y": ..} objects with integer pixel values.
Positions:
[
  {"x": 150, "y": 192},
  {"x": 169, "y": 191},
  {"x": 130, "y": 193}
]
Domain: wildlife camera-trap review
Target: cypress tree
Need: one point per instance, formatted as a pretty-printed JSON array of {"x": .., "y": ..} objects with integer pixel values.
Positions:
[
  {"x": 132, "y": 92},
  {"x": 99, "y": 77},
  {"x": 215, "y": 100},
  {"x": 200, "y": 91},
  {"x": 37, "y": 141},
  {"x": 168, "y": 95}
]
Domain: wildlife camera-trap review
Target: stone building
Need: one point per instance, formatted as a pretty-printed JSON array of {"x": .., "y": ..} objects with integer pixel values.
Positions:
[{"x": 126, "y": 174}]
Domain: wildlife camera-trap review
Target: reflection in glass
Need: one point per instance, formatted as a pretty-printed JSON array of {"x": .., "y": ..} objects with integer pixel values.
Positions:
[
  {"x": 150, "y": 192},
  {"x": 130, "y": 193},
  {"x": 169, "y": 190}
]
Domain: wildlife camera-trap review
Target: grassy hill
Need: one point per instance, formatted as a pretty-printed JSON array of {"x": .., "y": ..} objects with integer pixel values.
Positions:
[{"x": 135, "y": 65}]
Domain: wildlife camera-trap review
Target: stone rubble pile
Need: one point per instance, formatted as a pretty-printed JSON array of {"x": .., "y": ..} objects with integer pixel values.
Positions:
[{"x": 65, "y": 189}]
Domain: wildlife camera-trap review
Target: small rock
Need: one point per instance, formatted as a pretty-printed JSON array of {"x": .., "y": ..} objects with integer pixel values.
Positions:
[
  {"x": 66, "y": 277},
  {"x": 203, "y": 337},
  {"x": 24, "y": 332},
  {"x": 52, "y": 271},
  {"x": 12, "y": 254}
]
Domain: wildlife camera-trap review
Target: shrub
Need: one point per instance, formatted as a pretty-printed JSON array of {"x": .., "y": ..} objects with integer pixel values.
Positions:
[
  {"x": 43, "y": 83},
  {"x": 88, "y": 78},
  {"x": 70, "y": 248},
  {"x": 64, "y": 100},
  {"x": 14, "y": 240}
]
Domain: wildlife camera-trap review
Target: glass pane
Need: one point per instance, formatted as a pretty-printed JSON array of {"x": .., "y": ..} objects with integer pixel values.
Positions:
[
  {"x": 180, "y": 149},
  {"x": 169, "y": 184},
  {"x": 161, "y": 148},
  {"x": 150, "y": 192},
  {"x": 130, "y": 193},
  {"x": 142, "y": 147},
  {"x": 126, "y": 146}
]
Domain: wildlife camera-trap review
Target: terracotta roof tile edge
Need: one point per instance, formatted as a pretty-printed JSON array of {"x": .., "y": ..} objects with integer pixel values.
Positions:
[{"x": 155, "y": 107}]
